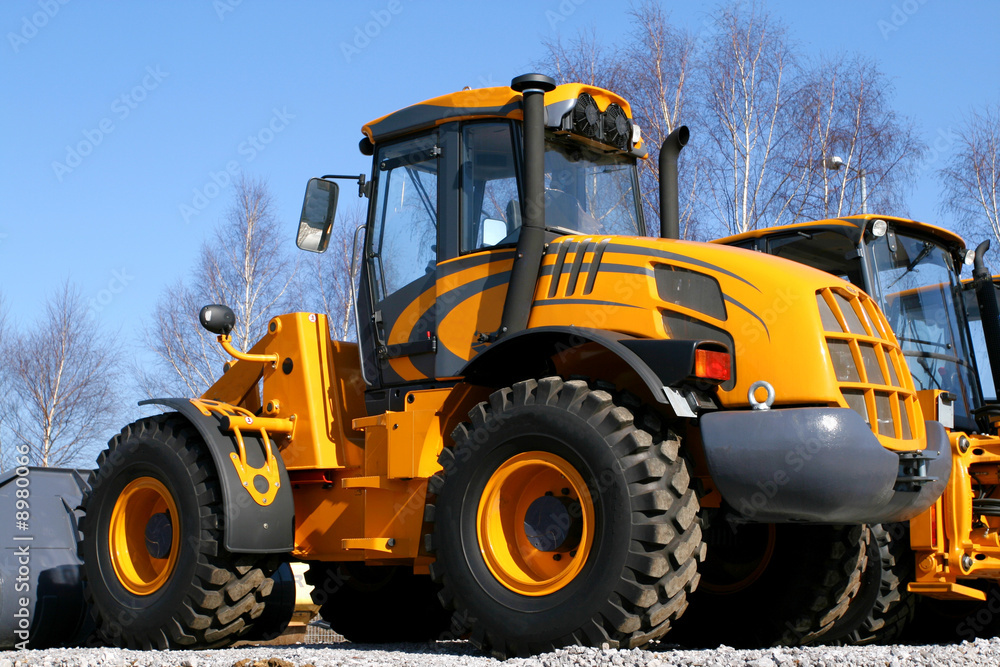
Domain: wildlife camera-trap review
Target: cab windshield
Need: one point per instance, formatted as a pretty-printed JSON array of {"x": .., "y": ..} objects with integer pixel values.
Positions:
[{"x": 921, "y": 297}]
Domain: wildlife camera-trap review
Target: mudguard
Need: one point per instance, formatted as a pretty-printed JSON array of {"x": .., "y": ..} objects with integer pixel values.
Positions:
[
  {"x": 658, "y": 363},
  {"x": 249, "y": 527}
]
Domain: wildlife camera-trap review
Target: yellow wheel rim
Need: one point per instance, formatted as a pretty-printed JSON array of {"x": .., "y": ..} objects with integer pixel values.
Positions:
[
  {"x": 535, "y": 523},
  {"x": 143, "y": 503}
]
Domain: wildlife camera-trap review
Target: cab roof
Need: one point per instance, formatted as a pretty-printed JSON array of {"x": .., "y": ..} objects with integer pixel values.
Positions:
[
  {"x": 854, "y": 227},
  {"x": 498, "y": 102}
]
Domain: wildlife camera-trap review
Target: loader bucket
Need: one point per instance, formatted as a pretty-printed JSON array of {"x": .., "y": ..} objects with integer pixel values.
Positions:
[{"x": 41, "y": 587}]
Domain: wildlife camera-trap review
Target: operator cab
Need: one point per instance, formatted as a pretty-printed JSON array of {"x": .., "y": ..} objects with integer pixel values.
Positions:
[
  {"x": 913, "y": 272},
  {"x": 446, "y": 203}
]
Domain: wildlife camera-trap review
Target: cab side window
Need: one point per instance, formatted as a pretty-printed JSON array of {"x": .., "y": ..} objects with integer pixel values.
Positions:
[{"x": 491, "y": 205}]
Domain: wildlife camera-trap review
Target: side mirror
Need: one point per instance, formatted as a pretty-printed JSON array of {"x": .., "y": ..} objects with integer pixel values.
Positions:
[
  {"x": 217, "y": 319},
  {"x": 318, "y": 210}
]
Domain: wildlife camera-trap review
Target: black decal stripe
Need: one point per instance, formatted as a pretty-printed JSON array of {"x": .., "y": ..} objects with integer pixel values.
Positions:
[
  {"x": 607, "y": 268},
  {"x": 450, "y": 300},
  {"x": 574, "y": 273},
  {"x": 595, "y": 265},
  {"x": 755, "y": 316},
  {"x": 556, "y": 269},
  {"x": 582, "y": 302},
  {"x": 462, "y": 263},
  {"x": 662, "y": 254}
]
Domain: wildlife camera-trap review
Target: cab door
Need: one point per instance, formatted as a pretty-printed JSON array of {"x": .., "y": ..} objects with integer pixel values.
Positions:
[{"x": 399, "y": 340}]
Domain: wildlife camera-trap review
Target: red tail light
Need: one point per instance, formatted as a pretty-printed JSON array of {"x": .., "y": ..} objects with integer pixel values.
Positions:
[{"x": 712, "y": 365}]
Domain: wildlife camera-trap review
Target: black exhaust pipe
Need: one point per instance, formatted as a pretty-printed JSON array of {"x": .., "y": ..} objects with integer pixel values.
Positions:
[
  {"x": 989, "y": 311},
  {"x": 670, "y": 223},
  {"x": 531, "y": 242}
]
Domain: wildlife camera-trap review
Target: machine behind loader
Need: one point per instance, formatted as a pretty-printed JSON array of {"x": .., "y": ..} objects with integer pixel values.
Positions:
[
  {"x": 913, "y": 271},
  {"x": 543, "y": 413}
]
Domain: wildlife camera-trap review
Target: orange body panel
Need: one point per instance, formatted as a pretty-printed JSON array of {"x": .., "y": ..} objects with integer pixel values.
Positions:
[{"x": 322, "y": 392}]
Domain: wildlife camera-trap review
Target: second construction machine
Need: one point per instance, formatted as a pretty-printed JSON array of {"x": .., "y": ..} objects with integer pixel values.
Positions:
[
  {"x": 949, "y": 332},
  {"x": 546, "y": 416}
]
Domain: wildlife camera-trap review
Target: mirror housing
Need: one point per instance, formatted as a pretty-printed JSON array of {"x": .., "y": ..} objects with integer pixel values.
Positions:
[
  {"x": 217, "y": 319},
  {"x": 318, "y": 210}
]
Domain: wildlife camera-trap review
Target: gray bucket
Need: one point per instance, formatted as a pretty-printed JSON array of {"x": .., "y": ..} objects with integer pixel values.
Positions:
[{"x": 41, "y": 587}]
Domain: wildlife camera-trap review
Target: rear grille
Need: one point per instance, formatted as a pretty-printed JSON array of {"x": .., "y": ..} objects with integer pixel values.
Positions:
[{"x": 869, "y": 365}]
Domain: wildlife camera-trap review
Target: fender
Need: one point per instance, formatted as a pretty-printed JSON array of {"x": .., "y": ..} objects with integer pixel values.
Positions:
[
  {"x": 249, "y": 527},
  {"x": 660, "y": 364}
]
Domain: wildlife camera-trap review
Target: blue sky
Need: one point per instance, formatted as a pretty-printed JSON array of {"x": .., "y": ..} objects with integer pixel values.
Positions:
[{"x": 120, "y": 120}]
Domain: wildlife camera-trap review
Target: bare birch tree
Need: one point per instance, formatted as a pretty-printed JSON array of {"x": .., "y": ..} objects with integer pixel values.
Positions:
[
  {"x": 658, "y": 66},
  {"x": 61, "y": 387},
  {"x": 971, "y": 178},
  {"x": 747, "y": 95},
  {"x": 583, "y": 59},
  {"x": 247, "y": 268},
  {"x": 4, "y": 384},
  {"x": 651, "y": 72},
  {"x": 845, "y": 111},
  {"x": 326, "y": 288}
]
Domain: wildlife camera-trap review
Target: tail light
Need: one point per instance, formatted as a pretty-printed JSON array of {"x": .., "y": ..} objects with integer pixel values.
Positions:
[{"x": 712, "y": 365}]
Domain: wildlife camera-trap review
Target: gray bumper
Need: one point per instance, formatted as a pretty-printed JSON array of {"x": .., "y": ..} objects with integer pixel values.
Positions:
[{"x": 819, "y": 465}]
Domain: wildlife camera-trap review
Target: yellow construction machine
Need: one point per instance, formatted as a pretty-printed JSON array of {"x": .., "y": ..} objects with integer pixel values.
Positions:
[
  {"x": 545, "y": 419},
  {"x": 949, "y": 332}
]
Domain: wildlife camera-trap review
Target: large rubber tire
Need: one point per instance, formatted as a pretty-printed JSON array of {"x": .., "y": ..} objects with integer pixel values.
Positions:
[
  {"x": 197, "y": 593},
  {"x": 372, "y": 604},
  {"x": 622, "y": 528},
  {"x": 883, "y": 607},
  {"x": 792, "y": 583}
]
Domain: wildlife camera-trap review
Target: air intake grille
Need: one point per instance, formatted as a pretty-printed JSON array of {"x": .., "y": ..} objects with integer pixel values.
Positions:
[{"x": 870, "y": 369}]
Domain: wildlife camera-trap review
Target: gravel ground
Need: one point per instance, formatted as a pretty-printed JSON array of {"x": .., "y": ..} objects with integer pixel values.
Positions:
[{"x": 461, "y": 654}]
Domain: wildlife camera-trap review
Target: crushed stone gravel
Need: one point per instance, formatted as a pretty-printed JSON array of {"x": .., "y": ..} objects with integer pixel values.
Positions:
[{"x": 463, "y": 654}]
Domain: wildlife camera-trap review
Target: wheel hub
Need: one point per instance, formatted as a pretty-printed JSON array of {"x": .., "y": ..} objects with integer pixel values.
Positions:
[
  {"x": 159, "y": 533},
  {"x": 536, "y": 523},
  {"x": 551, "y": 524},
  {"x": 142, "y": 536}
]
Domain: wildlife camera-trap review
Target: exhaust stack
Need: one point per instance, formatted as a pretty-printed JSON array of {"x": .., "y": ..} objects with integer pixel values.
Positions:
[
  {"x": 989, "y": 311},
  {"x": 670, "y": 226},
  {"x": 531, "y": 242}
]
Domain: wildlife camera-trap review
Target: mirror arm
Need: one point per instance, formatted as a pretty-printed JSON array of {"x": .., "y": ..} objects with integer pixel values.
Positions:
[
  {"x": 364, "y": 186},
  {"x": 226, "y": 342}
]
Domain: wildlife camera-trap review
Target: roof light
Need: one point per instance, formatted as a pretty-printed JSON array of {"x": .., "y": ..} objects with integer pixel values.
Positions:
[
  {"x": 879, "y": 227},
  {"x": 970, "y": 257}
]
